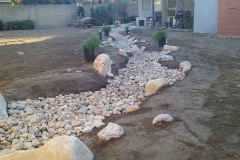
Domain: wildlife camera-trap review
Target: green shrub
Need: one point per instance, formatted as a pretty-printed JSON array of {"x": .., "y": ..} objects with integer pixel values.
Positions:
[
  {"x": 22, "y": 24},
  {"x": 91, "y": 44},
  {"x": 5, "y": 26},
  {"x": 107, "y": 28},
  {"x": 188, "y": 23},
  {"x": 160, "y": 35}
]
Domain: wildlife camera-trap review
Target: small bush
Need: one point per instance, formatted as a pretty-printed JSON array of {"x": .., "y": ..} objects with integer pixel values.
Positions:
[
  {"x": 107, "y": 28},
  {"x": 91, "y": 44},
  {"x": 22, "y": 24},
  {"x": 160, "y": 35}
]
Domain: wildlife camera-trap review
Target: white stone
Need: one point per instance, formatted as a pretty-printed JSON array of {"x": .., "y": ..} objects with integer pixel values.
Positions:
[
  {"x": 135, "y": 51},
  {"x": 162, "y": 117},
  {"x": 170, "y": 48},
  {"x": 88, "y": 129},
  {"x": 28, "y": 110},
  {"x": 27, "y": 145},
  {"x": 166, "y": 58},
  {"x": 35, "y": 143},
  {"x": 34, "y": 118},
  {"x": 122, "y": 53},
  {"x": 132, "y": 108},
  {"x": 98, "y": 124},
  {"x": 143, "y": 48},
  {"x": 154, "y": 85},
  {"x": 3, "y": 109},
  {"x": 112, "y": 130},
  {"x": 20, "y": 53}
]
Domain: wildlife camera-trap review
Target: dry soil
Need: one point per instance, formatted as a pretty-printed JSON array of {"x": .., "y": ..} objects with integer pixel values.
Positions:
[{"x": 205, "y": 104}]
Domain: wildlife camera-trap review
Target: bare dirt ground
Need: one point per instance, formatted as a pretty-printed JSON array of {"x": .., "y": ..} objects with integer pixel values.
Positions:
[{"x": 205, "y": 104}]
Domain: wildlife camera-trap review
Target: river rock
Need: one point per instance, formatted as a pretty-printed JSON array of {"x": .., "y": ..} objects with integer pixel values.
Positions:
[
  {"x": 132, "y": 108},
  {"x": 122, "y": 53},
  {"x": 112, "y": 130}
]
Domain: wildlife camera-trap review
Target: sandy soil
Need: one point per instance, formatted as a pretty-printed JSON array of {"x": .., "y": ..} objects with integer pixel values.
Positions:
[{"x": 205, "y": 105}]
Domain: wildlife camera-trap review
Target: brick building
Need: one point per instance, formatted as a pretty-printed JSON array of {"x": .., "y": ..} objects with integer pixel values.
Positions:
[{"x": 229, "y": 18}]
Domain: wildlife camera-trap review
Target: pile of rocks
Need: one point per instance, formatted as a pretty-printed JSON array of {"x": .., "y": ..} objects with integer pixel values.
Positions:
[{"x": 32, "y": 123}]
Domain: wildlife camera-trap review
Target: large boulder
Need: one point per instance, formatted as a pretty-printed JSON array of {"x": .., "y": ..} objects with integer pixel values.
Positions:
[
  {"x": 112, "y": 130},
  {"x": 102, "y": 65},
  {"x": 3, "y": 108},
  {"x": 154, "y": 85},
  {"x": 185, "y": 66},
  {"x": 59, "y": 148}
]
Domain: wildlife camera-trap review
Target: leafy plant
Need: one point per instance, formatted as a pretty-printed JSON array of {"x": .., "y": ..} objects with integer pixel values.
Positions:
[
  {"x": 22, "y": 24},
  {"x": 101, "y": 14},
  {"x": 100, "y": 32},
  {"x": 127, "y": 29},
  {"x": 188, "y": 23},
  {"x": 5, "y": 26},
  {"x": 91, "y": 44},
  {"x": 107, "y": 28},
  {"x": 158, "y": 35}
]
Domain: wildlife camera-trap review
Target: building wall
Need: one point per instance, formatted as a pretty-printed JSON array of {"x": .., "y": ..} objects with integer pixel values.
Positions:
[
  {"x": 229, "y": 18},
  {"x": 206, "y": 16},
  {"x": 48, "y": 16},
  {"x": 142, "y": 13}
]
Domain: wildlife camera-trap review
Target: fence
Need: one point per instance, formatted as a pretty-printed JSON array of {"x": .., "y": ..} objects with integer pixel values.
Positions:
[{"x": 48, "y": 16}]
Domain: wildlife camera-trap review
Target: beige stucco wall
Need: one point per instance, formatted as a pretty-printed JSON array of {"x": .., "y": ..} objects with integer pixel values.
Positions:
[{"x": 48, "y": 16}]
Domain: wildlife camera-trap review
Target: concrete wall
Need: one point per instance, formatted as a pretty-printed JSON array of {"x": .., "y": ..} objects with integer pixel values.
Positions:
[
  {"x": 229, "y": 18},
  {"x": 205, "y": 16},
  {"x": 48, "y": 16}
]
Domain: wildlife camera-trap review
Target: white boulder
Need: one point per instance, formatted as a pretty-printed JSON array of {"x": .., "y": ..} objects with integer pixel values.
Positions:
[
  {"x": 102, "y": 65},
  {"x": 162, "y": 118},
  {"x": 122, "y": 53},
  {"x": 62, "y": 147},
  {"x": 185, "y": 66},
  {"x": 112, "y": 130},
  {"x": 170, "y": 48},
  {"x": 154, "y": 85},
  {"x": 3, "y": 106}
]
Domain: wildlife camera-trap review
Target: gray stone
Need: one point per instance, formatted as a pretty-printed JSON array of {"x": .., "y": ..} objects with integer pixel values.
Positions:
[
  {"x": 59, "y": 148},
  {"x": 3, "y": 109}
]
